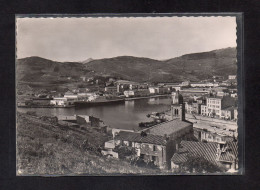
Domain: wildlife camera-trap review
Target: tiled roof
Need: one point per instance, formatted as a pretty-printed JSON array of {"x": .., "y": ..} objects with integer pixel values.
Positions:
[
  {"x": 231, "y": 152},
  {"x": 206, "y": 150},
  {"x": 136, "y": 137},
  {"x": 168, "y": 128}
]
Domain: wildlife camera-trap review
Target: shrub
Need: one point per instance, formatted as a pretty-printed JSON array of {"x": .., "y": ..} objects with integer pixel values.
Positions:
[
  {"x": 33, "y": 113},
  {"x": 125, "y": 151}
]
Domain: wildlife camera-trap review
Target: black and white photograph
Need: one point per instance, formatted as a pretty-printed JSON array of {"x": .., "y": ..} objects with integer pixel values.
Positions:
[{"x": 127, "y": 95}]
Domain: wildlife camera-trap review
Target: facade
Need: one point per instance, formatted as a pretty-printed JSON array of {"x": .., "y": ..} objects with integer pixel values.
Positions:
[
  {"x": 129, "y": 93},
  {"x": 139, "y": 92},
  {"x": 71, "y": 95},
  {"x": 227, "y": 113},
  {"x": 123, "y": 85},
  {"x": 233, "y": 95},
  {"x": 204, "y": 84},
  {"x": 235, "y": 114},
  {"x": 214, "y": 134},
  {"x": 149, "y": 147},
  {"x": 232, "y": 77},
  {"x": 214, "y": 106},
  {"x": 61, "y": 101},
  {"x": 185, "y": 83},
  {"x": 203, "y": 110},
  {"x": 152, "y": 90},
  {"x": 111, "y": 89}
]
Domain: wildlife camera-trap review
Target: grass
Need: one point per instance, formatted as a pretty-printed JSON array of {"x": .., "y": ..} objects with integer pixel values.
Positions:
[{"x": 46, "y": 150}]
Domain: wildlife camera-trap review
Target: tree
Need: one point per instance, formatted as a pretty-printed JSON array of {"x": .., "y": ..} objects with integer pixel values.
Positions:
[
  {"x": 198, "y": 164},
  {"x": 125, "y": 151}
]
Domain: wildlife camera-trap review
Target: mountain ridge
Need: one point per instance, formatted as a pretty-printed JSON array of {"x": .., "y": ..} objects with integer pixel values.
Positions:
[{"x": 194, "y": 67}]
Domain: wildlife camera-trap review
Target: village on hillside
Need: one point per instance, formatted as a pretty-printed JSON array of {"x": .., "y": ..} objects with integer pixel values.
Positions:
[{"x": 199, "y": 126}]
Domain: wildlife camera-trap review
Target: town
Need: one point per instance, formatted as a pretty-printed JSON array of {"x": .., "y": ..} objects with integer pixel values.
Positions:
[{"x": 201, "y": 122}]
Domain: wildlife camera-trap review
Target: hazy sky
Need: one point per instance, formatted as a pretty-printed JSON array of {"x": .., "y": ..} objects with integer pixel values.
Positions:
[{"x": 77, "y": 39}]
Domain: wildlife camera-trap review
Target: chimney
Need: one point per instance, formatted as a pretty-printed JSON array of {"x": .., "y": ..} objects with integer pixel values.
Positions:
[{"x": 177, "y": 146}]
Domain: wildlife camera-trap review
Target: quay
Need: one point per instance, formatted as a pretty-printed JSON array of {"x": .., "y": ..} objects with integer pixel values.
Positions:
[{"x": 144, "y": 97}]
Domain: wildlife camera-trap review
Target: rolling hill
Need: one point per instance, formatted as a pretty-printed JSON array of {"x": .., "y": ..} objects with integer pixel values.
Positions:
[{"x": 194, "y": 67}]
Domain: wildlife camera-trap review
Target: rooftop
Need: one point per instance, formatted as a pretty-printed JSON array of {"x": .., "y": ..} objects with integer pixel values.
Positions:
[
  {"x": 126, "y": 82},
  {"x": 168, "y": 127},
  {"x": 206, "y": 150},
  {"x": 219, "y": 131},
  {"x": 136, "y": 137}
]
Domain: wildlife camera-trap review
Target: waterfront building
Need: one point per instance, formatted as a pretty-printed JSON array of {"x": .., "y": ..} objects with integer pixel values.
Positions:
[
  {"x": 152, "y": 90},
  {"x": 61, "y": 101},
  {"x": 224, "y": 156},
  {"x": 71, "y": 95},
  {"x": 227, "y": 113},
  {"x": 123, "y": 85},
  {"x": 129, "y": 93},
  {"x": 139, "y": 92},
  {"x": 215, "y": 104},
  {"x": 111, "y": 89}
]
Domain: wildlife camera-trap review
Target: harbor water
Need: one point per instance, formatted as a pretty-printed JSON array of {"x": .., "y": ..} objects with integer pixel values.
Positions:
[{"x": 122, "y": 115}]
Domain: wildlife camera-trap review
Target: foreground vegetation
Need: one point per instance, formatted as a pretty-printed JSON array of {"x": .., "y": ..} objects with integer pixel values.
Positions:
[{"x": 44, "y": 148}]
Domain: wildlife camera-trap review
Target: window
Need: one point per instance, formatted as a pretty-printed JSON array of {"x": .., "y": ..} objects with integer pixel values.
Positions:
[
  {"x": 154, "y": 148},
  {"x": 154, "y": 158},
  {"x": 142, "y": 156}
]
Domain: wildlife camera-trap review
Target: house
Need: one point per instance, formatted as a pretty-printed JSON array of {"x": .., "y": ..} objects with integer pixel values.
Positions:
[
  {"x": 188, "y": 107},
  {"x": 123, "y": 85},
  {"x": 152, "y": 90},
  {"x": 216, "y": 103},
  {"x": 111, "y": 89},
  {"x": 214, "y": 133},
  {"x": 235, "y": 114},
  {"x": 227, "y": 113},
  {"x": 224, "y": 156},
  {"x": 203, "y": 110},
  {"x": 149, "y": 147},
  {"x": 61, "y": 101},
  {"x": 185, "y": 83},
  {"x": 233, "y": 95},
  {"x": 139, "y": 92},
  {"x": 158, "y": 142},
  {"x": 83, "y": 78},
  {"x": 71, "y": 95},
  {"x": 232, "y": 77},
  {"x": 129, "y": 93}
]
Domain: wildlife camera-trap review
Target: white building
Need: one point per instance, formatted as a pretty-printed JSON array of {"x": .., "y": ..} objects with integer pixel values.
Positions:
[
  {"x": 61, "y": 101},
  {"x": 214, "y": 106},
  {"x": 230, "y": 77},
  {"x": 204, "y": 110},
  {"x": 128, "y": 93}
]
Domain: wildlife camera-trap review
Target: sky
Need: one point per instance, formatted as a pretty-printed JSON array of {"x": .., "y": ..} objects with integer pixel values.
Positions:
[{"x": 77, "y": 39}]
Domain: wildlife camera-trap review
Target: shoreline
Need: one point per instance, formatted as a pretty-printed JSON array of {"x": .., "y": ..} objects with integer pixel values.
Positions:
[{"x": 145, "y": 97}]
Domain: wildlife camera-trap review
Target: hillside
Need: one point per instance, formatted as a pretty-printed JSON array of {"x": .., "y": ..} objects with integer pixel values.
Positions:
[
  {"x": 38, "y": 69},
  {"x": 194, "y": 67},
  {"x": 44, "y": 149}
]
